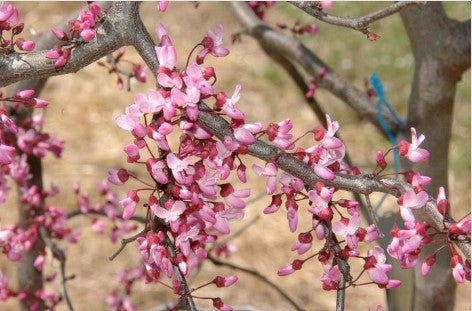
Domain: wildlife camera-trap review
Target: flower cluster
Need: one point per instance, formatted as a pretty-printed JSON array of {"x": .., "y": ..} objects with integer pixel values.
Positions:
[
  {"x": 17, "y": 142},
  {"x": 10, "y": 22},
  {"x": 188, "y": 198},
  {"x": 342, "y": 237},
  {"x": 81, "y": 29}
]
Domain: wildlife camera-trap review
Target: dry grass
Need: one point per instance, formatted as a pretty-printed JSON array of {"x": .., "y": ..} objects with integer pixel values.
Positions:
[{"x": 84, "y": 105}]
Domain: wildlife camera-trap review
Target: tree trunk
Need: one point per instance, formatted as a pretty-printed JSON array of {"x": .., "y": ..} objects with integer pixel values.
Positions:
[{"x": 440, "y": 60}]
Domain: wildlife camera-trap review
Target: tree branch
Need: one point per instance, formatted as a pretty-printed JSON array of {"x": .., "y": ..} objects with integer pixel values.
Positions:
[
  {"x": 110, "y": 36},
  {"x": 324, "y": 76},
  {"x": 297, "y": 77},
  {"x": 77, "y": 212},
  {"x": 364, "y": 184},
  {"x": 59, "y": 254},
  {"x": 357, "y": 23}
]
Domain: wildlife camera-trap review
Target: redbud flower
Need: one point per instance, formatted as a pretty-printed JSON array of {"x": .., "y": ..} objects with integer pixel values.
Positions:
[
  {"x": 118, "y": 177},
  {"x": 6, "y": 154},
  {"x": 347, "y": 229},
  {"x": 326, "y": 5},
  {"x": 441, "y": 201},
  {"x": 411, "y": 200},
  {"x": 457, "y": 269},
  {"x": 289, "y": 269},
  {"x": 427, "y": 264},
  {"x": 177, "y": 209},
  {"x": 245, "y": 133},
  {"x": 212, "y": 44},
  {"x": 274, "y": 205},
  {"x": 162, "y": 6},
  {"x": 61, "y": 35},
  {"x": 270, "y": 171},
  {"x": 24, "y": 45},
  {"x": 218, "y": 303},
  {"x": 132, "y": 151},
  {"x": 129, "y": 204},
  {"x": 220, "y": 281},
  {"x": 380, "y": 159},
  {"x": 376, "y": 267},
  {"x": 411, "y": 151},
  {"x": 330, "y": 280}
]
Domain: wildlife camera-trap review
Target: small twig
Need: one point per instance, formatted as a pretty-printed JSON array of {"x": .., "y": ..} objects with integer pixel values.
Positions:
[
  {"x": 358, "y": 23},
  {"x": 341, "y": 294},
  {"x": 125, "y": 242},
  {"x": 77, "y": 212},
  {"x": 183, "y": 282},
  {"x": 59, "y": 254},
  {"x": 256, "y": 274},
  {"x": 372, "y": 215}
]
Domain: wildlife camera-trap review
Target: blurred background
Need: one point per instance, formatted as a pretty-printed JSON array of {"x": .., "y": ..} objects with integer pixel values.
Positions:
[{"x": 83, "y": 107}]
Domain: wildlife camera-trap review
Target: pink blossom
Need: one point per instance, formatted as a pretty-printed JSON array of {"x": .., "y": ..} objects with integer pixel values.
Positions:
[
  {"x": 411, "y": 151},
  {"x": 218, "y": 303},
  {"x": 132, "y": 151},
  {"x": 167, "y": 56},
  {"x": 270, "y": 171},
  {"x": 87, "y": 34},
  {"x": 169, "y": 215},
  {"x": 25, "y": 45},
  {"x": 6, "y": 154},
  {"x": 376, "y": 267},
  {"x": 118, "y": 177},
  {"x": 289, "y": 269},
  {"x": 156, "y": 169},
  {"x": 274, "y": 205},
  {"x": 6, "y": 11},
  {"x": 245, "y": 133},
  {"x": 212, "y": 44},
  {"x": 326, "y": 5},
  {"x": 234, "y": 197},
  {"x": 130, "y": 119},
  {"x": 457, "y": 269},
  {"x": 220, "y": 281},
  {"x": 59, "y": 34},
  {"x": 229, "y": 105},
  {"x": 347, "y": 229},
  {"x": 39, "y": 262},
  {"x": 129, "y": 204},
  {"x": 194, "y": 76},
  {"x": 162, "y": 6},
  {"x": 291, "y": 184},
  {"x": 330, "y": 280},
  {"x": 411, "y": 200},
  {"x": 427, "y": 264},
  {"x": 8, "y": 16},
  {"x": 279, "y": 134}
]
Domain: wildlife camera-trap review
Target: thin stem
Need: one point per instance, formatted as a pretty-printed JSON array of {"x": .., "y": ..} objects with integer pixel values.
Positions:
[
  {"x": 257, "y": 275},
  {"x": 59, "y": 254},
  {"x": 125, "y": 242}
]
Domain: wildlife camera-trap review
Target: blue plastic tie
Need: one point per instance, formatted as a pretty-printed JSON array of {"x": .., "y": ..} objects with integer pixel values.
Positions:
[{"x": 378, "y": 88}]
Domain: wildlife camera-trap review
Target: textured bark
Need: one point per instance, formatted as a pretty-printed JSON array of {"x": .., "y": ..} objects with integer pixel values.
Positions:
[
  {"x": 29, "y": 278},
  {"x": 441, "y": 47}
]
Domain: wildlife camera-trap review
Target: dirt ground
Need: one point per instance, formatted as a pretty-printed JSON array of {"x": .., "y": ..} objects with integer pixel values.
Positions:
[{"x": 83, "y": 106}]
